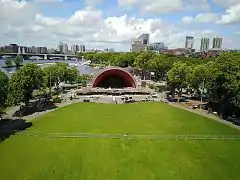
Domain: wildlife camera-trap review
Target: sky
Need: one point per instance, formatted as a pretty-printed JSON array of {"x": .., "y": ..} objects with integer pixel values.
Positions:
[{"x": 113, "y": 23}]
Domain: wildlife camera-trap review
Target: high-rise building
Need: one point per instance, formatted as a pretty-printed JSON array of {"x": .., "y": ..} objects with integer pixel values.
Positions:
[
  {"x": 75, "y": 48},
  {"x": 139, "y": 44},
  {"x": 158, "y": 46},
  {"x": 204, "y": 44},
  {"x": 65, "y": 48},
  {"x": 217, "y": 43},
  {"x": 60, "y": 47},
  {"x": 82, "y": 48},
  {"x": 144, "y": 38},
  {"x": 41, "y": 50},
  {"x": 189, "y": 42}
]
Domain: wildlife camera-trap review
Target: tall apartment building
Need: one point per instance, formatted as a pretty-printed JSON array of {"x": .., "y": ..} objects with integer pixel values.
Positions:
[
  {"x": 65, "y": 48},
  {"x": 217, "y": 43},
  {"x": 204, "y": 44},
  {"x": 140, "y": 43},
  {"x": 60, "y": 47},
  {"x": 75, "y": 48},
  {"x": 82, "y": 48},
  {"x": 189, "y": 42}
]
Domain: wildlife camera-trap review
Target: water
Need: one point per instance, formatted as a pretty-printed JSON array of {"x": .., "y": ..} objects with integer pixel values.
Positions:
[{"x": 83, "y": 68}]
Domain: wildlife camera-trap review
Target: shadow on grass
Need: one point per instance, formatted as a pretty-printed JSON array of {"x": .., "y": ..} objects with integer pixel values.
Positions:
[
  {"x": 23, "y": 111},
  {"x": 9, "y": 126}
]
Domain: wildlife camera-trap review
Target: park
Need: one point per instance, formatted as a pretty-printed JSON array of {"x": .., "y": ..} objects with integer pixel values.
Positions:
[
  {"x": 71, "y": 138},
  {"x": 53, "y": 147}
]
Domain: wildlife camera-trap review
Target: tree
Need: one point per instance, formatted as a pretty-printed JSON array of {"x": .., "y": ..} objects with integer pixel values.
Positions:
[
  {"x": 24, "y": 82},
  {"x": 60, "y": 72},
  {"x": 160, "y": 65},
  {"x": 142, "y": 61},
  {"x": 8, "y": 62},
  {"x": 4, "y": 80},
  {"x": 177, "y": 77},
  {"x": 71, "y": 75},
  {"x": 18, "y": 60},
  {"x": 2, "y": 113}
]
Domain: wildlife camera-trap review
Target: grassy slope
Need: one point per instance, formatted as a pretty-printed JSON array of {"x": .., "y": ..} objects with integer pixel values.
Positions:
[{"x": 42, "y": 158}]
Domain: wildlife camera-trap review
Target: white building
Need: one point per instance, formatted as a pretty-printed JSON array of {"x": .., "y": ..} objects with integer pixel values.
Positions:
[
  {"x": 217, "y": 43},
  {"x": 204, "y": 44},
  {"x": 75, "y": 48},
  {"x": 140, "y": 43},
  {"x": 65, "y": 48},
  {"x": 82, "y": 48},
  {"x": 189, "y": 42},
  {"x": 60, "y": 47}
]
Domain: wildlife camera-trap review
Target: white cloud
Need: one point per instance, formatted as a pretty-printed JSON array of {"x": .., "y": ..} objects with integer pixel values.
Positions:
[
  {"x": 202, "y": 18},
  {"x": 231, "y": 16},
  {"x": 165, "y": 6},
  {"x": 188, "y": 19},
  {"x": 226, "y": 3},
  {"x": 86, "y": 26},
  {"x": 48, "y": 1},
  {"x": 92, "y": 2}
]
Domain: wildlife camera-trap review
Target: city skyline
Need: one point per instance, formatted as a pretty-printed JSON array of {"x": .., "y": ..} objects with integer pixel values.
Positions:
[{"x": 113, "y": 23}]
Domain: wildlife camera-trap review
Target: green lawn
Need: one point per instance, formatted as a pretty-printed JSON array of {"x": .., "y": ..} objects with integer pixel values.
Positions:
[{"x": 43, "y": 158}]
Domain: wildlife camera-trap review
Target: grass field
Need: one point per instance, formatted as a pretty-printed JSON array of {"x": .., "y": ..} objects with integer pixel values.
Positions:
[{"x": 44, "y": 158}]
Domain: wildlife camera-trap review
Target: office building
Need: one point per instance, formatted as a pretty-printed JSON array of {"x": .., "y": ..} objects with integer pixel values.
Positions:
[
  {"x": 140, "y": 43},
  {"x": 11, "y": 48},
  {"x": 60, "y": 47},
  {"x": 189, "y": 42},
  {"x": 217, "y": 43},
  {"x": 204, "y": 44},
  {"x": 158, "y": 46},
  {"x": 75, "y": 48},
  {"x": 41, "y": 50},
  {"x": 65, "y": 48},
  {"x": 82, "y": 48}
]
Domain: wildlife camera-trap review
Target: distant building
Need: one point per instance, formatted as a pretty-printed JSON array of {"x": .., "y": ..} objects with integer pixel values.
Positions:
[
  {"x": 217, "y": 43},
  {"x": 109, "y": 50},
  {"x": 34, "y": 50},
  {"x": 204, "y": 44},
  {"x": 75, "y": 48},
  {"x": 60, "y": 47},
  {"x": 158, "y": 46},
  {"x": 11, "y": 48},
  {"x": 41, "y": 50},
  {"x": 82, "y": 48},
  {"x": 189, "y": 42},
  {"x": 65, "y": 48},
  {"x": 140, "y": 43}
]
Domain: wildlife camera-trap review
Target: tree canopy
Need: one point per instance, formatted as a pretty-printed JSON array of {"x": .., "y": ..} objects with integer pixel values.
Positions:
[
  {"x": 24, "y": 82},
  {"x": 4, "y": 80}
]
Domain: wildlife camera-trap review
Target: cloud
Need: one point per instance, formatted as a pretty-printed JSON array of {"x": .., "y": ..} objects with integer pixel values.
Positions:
[
  {"x": 188, "y": 19},
  {"x": 88, "y": 26},
  {"x": 227, "y": 3},
  {"x": 231, "y": 16},
  {"x": 92, "y": 2},
  {"x": 165, "y": 6},
  {"x": 202, "y": 18}
]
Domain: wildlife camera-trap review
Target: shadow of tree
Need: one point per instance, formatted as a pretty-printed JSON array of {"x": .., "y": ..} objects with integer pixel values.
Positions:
[{"x": 8, "y": 127}]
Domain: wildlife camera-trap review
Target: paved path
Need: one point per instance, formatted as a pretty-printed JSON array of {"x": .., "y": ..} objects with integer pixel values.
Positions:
[{"x": 205, "y": 114}]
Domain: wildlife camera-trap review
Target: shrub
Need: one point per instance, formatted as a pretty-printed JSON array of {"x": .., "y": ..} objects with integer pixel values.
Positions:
[{"x": 57, "y": 99}]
